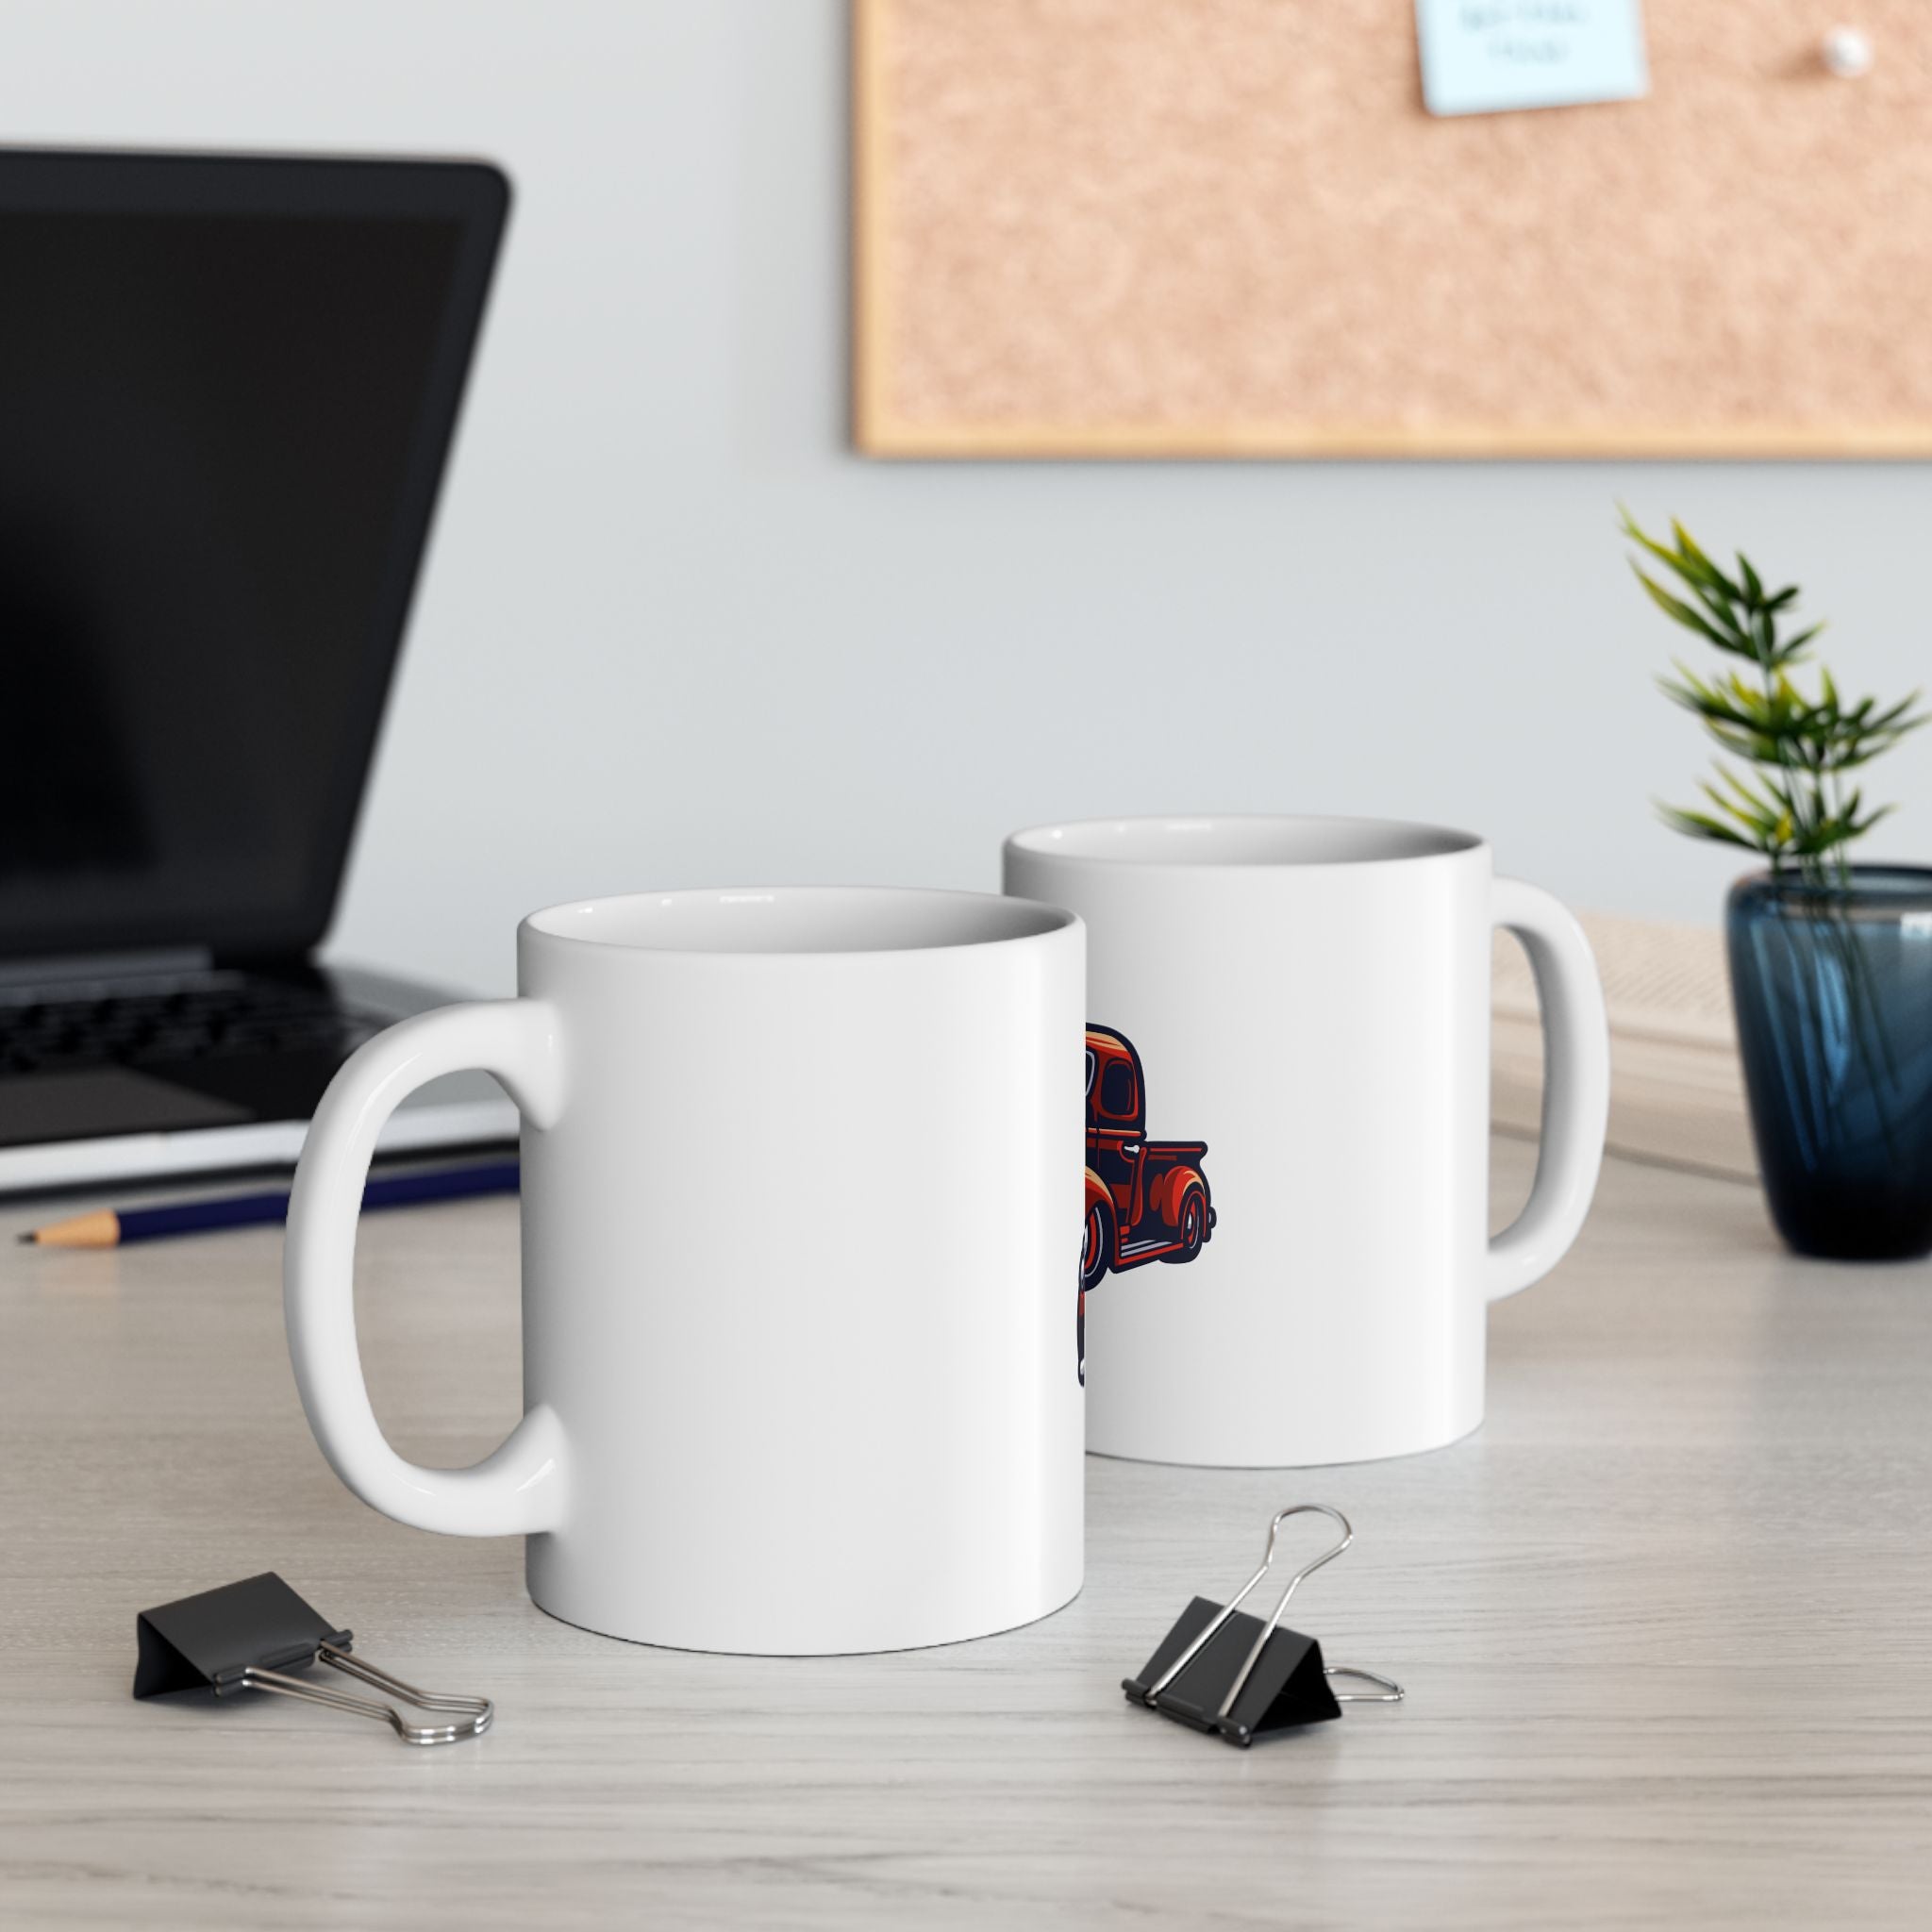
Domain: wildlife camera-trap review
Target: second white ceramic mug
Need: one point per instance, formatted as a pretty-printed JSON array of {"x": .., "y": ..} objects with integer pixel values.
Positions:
[
  {"x": 801, "y": 1179},
  {"x": 1288, "y": 1080}
]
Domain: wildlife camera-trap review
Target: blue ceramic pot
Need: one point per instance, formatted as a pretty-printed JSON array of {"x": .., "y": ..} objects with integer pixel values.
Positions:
[{"x": 1833, "y": 988}]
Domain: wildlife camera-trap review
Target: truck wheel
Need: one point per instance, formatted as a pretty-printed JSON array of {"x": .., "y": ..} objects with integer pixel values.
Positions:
[
  {"x": 1193, "y": 1227},
  {"x": 1096, "y": 1246}
]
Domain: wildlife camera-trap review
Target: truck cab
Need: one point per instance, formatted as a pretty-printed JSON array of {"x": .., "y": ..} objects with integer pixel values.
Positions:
[{"x": 1146, "y": 1200}]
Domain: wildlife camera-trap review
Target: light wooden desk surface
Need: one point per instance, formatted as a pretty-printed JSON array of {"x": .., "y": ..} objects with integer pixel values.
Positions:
[{"x": 1664, "y": 1624}]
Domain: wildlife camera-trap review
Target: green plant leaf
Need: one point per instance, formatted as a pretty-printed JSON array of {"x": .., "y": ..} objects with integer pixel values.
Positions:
[
  {"x": 1791, "y": 748},
  {"x": 1680, "y": 613},
  {"x": 1697, "y": 825},
  {"x": 1690, "y": 565},
  {"x": 1693, "y": 562}
]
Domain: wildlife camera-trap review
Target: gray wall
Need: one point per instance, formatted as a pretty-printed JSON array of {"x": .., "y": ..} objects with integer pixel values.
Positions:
[{"x": 673, "y": 631}]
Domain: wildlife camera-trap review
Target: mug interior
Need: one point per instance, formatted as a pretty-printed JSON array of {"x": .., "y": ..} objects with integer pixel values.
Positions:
[
  {"x": 1243, "y": 840},
  {"x": 799, "y": 919}
]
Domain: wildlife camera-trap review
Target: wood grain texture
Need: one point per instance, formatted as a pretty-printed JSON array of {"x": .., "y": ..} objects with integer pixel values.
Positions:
[
  {"x": 1229, "y": 228},
  {"x": 1663, "y": 1623}
]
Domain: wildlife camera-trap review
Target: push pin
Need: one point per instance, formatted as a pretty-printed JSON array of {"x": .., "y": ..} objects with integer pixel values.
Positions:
[
  {"x": 1223, "y": 1671},
  {"x": 249, "y": 1636},
  {"x": 1846, "y": 53}
]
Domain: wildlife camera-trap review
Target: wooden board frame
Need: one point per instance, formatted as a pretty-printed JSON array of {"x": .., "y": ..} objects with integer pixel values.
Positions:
[{"x": 880, "y": 428}]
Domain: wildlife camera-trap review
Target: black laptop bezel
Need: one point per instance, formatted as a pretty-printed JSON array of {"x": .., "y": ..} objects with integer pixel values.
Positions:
[{"x": 477, "y": 194}]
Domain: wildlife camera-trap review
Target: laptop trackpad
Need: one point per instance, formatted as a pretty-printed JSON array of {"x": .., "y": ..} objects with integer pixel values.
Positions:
[{"x": 102, "y": 1101}]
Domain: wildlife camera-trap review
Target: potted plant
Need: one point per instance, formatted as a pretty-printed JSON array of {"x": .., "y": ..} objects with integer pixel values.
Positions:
[{"x": 1830, "y": 961}]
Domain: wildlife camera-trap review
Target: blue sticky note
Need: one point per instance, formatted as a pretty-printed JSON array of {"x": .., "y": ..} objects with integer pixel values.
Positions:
[{"x": 1483, "y": 57}]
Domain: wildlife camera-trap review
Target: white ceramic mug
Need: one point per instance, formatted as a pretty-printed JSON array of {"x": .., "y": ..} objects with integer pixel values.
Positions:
[
  {"x": 1289, "y": 1083},
  {"x": 800, "y": 1192}
]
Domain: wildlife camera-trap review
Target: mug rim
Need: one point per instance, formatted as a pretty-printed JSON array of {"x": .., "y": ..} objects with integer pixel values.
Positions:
[
  {"x": 1025, "y": 922},
  {"x": 1426, "y": 843}
]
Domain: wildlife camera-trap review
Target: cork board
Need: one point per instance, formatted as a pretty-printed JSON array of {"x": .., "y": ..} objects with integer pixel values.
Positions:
[{"x": 1229, "y": 228}]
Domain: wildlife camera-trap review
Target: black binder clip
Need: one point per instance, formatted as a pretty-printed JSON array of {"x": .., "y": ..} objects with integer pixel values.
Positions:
[
  {"x": 1223, "y": 1671},
  {"x": 248, "y": 1636}
]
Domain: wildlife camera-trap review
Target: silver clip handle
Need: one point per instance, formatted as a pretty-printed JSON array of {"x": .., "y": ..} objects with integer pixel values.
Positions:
[
  {"x": 477, "y": 1712},
  {"x": 1327, "y": 1556},
  {"x": 1234, "y": 1603},
  {"x": 1391, "y": 1692}
]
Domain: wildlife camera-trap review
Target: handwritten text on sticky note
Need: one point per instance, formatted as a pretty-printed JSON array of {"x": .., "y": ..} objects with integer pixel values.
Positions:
[{"x": 1481, "y": 56}]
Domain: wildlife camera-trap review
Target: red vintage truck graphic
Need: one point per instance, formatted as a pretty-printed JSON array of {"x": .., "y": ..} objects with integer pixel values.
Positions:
[{"x": 1146, "y": 1200}]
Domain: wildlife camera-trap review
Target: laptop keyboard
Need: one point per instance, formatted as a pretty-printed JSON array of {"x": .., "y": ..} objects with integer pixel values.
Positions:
[{"x": 212, "y": 1016}]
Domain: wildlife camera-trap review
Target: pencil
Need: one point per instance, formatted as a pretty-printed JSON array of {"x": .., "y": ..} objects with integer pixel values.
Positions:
[{"x": 108, "y": 1228}]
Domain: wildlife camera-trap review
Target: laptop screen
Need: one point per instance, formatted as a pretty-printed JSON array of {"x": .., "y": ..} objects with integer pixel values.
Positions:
[{"x": 226, "y": 392}]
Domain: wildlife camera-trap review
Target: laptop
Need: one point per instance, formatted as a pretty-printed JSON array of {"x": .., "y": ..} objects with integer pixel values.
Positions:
[{"x": 227, "y": 387}]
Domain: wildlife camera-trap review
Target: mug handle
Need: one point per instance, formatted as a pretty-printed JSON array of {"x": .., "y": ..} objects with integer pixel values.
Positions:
[
  {"x": 1576, "y": 1087},
  {"x": 523, "y": 1486}
]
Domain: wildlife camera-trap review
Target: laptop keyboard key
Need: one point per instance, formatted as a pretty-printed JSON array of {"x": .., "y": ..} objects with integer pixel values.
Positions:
[{"x": 200, "y": 1022}]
